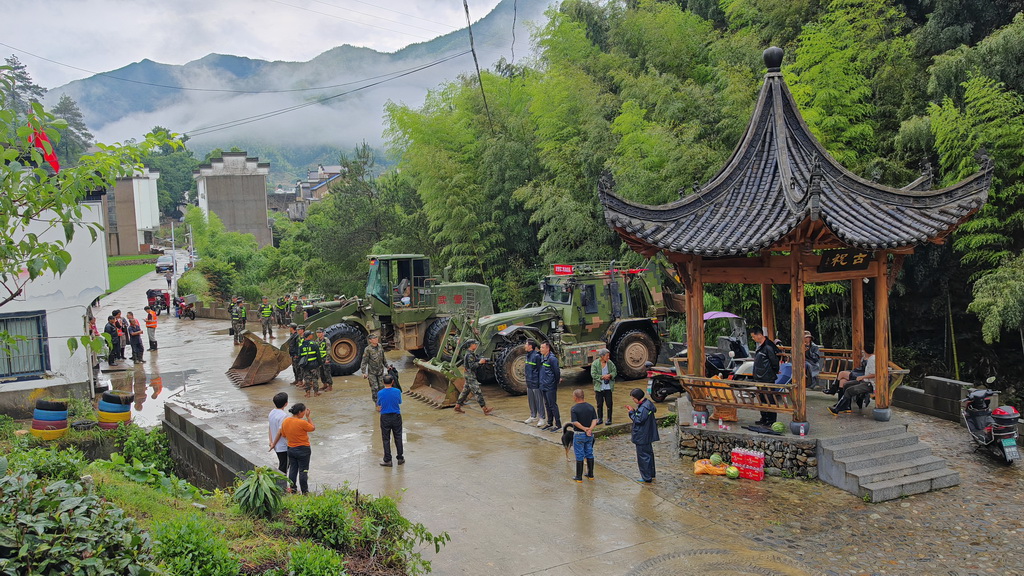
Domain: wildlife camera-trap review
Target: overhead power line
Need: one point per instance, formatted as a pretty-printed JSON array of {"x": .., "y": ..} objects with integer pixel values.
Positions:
[
  {"x": 194, "y": 89},
  {"x": 352, "y": 21},
  {"x": 201, "y": 131},
  {"x": 479, "y": 77}
]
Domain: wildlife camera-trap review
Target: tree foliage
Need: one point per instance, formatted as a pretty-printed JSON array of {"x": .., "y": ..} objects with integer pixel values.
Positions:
[
  {"x": 999, "y": 300},
  {"x": 75, "y": 138}
]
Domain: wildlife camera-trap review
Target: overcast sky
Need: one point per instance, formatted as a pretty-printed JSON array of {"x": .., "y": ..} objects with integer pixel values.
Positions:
[{"x": 103, "y": 35}]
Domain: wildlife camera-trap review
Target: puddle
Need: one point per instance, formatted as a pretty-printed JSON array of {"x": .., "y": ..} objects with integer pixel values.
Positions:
[{"x": 151, "y": 389}]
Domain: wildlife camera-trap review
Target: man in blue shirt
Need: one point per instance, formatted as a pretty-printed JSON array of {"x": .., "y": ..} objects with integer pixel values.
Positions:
[{"x": 389, "y": 401}]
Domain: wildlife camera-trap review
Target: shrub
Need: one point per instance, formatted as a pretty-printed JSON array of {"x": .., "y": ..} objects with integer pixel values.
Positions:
[
  {"x": 79, "y": 409},
  {"x": 146, "y": 445},
  {"x": 192, "y": 546},
  {"x": 327, "y": 518},
  {"x": 308, "y": 559},
  {"x": 7, "y": 428},
  {"x": 48, "y": 463},
  {"x": 259, "y": 493},
  {"x": 62, "y": 528},
  {"x": 193, "y": 282},
  {"x": 391, "y": 539},
  {"x": 149, "y": 474}
]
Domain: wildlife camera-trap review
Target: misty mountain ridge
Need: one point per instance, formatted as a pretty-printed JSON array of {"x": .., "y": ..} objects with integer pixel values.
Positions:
[{"x": 116, "y": 110}]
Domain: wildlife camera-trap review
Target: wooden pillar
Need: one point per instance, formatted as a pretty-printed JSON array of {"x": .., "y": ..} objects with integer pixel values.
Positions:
[
  {"x": 695, "y": 319},
  {"x": 882, "y": 333},
  {"x": 857, "y": 318},
  {"x": 768, "y": 311},
  {"x": 796, "y": 306}
]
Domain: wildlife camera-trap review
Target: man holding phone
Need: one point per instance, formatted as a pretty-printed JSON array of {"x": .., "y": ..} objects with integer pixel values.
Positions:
[{"x": 644, "y": 433}]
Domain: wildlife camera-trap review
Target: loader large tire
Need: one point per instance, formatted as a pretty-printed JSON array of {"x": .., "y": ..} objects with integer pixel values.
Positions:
[
  {"x": 510, "y": 370},
  {"x": 435, "y": 338},
  {"x": 633, "y": 350},
  {"x": 346, "y": 349}
]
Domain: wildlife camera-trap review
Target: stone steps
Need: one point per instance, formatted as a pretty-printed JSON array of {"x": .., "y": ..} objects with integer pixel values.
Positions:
[{"x": 882, "y": 464}]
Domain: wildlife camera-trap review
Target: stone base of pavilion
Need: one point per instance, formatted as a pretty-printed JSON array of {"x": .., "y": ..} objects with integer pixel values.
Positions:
[{"x": 853, "y": 452}]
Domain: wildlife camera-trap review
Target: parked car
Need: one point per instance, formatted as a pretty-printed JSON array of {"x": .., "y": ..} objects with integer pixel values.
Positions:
[{"x": 165, "y": 263}]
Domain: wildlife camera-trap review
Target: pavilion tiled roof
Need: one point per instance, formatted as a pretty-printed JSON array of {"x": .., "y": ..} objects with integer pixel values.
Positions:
[{"x": 779, "y": 177}]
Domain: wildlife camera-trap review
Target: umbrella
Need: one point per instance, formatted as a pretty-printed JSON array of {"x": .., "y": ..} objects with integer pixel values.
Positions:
[{"x": 713, "y": 315}]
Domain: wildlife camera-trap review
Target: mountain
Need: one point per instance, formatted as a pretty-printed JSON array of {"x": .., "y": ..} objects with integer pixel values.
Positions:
[{"x": 116, "y": 110}]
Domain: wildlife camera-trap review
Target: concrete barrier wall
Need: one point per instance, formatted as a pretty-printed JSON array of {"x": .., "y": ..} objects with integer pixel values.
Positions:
[{"x": 203, "y": 455}]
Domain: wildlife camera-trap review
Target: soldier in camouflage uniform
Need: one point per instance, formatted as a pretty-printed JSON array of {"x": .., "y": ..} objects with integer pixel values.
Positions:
[
  {"x": 297, "y": 336},
  {"x": 309, "y": 362},
  {"x": 471, "y": 363},
  {"x": 266, "y": 313},
  {"x": 374, "y": 365},
  {"x": 237, "y": 312},
  {"x": 281, "y": 311},
  {"x": 323, "y": 346}
]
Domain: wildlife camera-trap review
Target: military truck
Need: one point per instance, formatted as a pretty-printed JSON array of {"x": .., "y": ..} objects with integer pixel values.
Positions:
[
  {"x": 585, "y": 307},
  {"x": 403, "y": 302}
]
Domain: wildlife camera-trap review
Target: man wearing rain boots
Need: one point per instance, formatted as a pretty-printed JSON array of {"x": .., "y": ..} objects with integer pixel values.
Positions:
[
  {"x": 584, "y": 419},
  {"x": 471, "y": 363}
]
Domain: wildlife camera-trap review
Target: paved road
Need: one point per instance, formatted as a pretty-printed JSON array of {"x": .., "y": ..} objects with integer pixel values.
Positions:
[{"x": 502, "y": 489}]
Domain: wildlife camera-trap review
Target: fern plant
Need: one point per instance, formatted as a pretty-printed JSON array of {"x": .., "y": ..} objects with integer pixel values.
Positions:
[{"x": 259, "y": 493}]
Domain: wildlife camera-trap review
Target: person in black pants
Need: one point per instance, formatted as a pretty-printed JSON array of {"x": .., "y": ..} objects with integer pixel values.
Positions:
[
  {"x": 278, "y": 444},
  {"x": 389, "y": 400},
  {"x": 111, "y": 330},
  {"x": 550, "y": 377},
  {"x": 603, "y": 373},
  {"x": 643, "y": 434},
  {"x": 766, "y": 368}
]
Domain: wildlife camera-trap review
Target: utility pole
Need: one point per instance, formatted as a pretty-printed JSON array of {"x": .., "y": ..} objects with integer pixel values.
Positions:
[{"x": 174, "y": 261}]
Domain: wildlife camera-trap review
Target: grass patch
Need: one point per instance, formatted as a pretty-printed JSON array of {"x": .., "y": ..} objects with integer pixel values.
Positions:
[
  {"x": 129, "y": 258},
  {"x": 120, "y": 276}
]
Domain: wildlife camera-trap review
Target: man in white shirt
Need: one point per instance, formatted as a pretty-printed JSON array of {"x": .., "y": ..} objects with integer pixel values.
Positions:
[
  {"x": 275, "y": 418},
  {"x": 859, "y": 386}
]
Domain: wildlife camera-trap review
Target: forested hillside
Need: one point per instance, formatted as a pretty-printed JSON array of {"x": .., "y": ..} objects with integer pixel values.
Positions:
[{"x": 499, "y": 180}]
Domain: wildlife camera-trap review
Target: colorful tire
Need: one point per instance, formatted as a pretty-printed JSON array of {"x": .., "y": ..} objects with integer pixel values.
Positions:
[
  {"x": 110, "y": 407},
  {"x": 111, "y": 425},
  {"x": 118, "y": 397},
  {"x": 39, "y": 414},
  {"x": 49, "y": 424},
  {"x": 114, "y": 416},
  {"x": 49, "y": 434},
  {"x": 56, "y": 405}
]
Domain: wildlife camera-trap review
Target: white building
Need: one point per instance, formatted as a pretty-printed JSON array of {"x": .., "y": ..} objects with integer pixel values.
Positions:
[
  {"x": 132, "y": 211},
  {"x": 234, "y": 187},
  {"x": 51, "y": 310}
]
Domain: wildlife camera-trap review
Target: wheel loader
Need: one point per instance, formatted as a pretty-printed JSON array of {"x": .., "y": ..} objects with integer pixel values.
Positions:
[{"x": 403, "y": 303}]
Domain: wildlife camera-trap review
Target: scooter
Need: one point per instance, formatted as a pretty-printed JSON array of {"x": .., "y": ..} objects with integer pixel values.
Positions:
[{"x": 996, "y": 429}]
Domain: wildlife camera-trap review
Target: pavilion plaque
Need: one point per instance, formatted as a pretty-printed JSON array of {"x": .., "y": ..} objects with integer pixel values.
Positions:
[{"x": 845, "y": 260}]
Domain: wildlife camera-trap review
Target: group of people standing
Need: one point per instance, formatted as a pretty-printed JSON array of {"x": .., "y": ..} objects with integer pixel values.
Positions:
[
  {"x": 311, "y": 359},
  {"x": 286, "y": 311},
  {"x": 125, "y": 332}
]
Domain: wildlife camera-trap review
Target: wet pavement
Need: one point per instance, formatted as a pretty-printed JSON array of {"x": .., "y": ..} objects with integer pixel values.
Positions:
[{"x": 502, "y": 489}]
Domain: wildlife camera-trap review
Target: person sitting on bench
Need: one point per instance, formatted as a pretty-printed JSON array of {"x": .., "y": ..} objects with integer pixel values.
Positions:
[
  {"x": 856, "y": 386},
  {"x": 404, "y": 290}
]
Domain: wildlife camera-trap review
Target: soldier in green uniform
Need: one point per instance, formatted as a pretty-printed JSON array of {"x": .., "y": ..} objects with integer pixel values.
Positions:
[
  {"x": 297, "y": 336},
  {"x": 266, "y": 314},
  {"x": 309, "y": 362},
  {"x": 374, "y": 365},
  {"x": 323, "y": 346},
  {"x": 281, "y": 311},
  {"x": 295, "y": 310},
  {"x": 470, "y": 364},
  {"x": 237, "y": 312}
]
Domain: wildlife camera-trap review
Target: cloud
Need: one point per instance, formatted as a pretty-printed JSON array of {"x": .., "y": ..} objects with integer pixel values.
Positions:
[{"x": 103, "y": 35}]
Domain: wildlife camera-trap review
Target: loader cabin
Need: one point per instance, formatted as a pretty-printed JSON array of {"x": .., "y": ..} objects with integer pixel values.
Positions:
[
  {"x": 783, "y": 211},
  {"x": 394, "y": 276}
]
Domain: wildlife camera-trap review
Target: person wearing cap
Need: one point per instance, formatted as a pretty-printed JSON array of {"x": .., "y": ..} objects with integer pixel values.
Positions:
[
  {"x": 294, "y": 340},
  {"x": 470, "y": 364},
  {"x": 266, "y": 313},
  {"x": 603, "y": 373},
  {"x": 812, "y": 360},
  {"x": 309, "y": 363},
  {"x": 323, "y": 347},
  {"x": 374, "y": 365},
  {"x": 237, "y": 312},
  {"x": 281, "y": 311}
]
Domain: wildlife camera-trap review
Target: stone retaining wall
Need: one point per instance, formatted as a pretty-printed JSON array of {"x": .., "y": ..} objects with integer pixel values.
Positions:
[
  {"x": 783, "y": 456},
  {"x": 203, "y": 455}
]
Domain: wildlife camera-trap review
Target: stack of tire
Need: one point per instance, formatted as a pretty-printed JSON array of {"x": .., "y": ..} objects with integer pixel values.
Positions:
[
  {"x": 50, "y": 419},
  {"x": 115, "y": 409}
]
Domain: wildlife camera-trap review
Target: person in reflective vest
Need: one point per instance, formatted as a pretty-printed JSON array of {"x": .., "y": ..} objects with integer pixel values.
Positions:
[
  {"x": 151, "y": 327},
  {"x": 309, "y": 362},
  {"x": 323, "y": 347},
  {"x": 266, "y": 314}
]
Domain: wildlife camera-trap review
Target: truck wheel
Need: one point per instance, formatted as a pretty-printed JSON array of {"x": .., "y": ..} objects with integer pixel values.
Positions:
[
  {"x": 510, "y": 370},
  {"x": 347, "y": 346},
  {"x": 435, "y": 338},
  {"x": 632, "y": 353}
]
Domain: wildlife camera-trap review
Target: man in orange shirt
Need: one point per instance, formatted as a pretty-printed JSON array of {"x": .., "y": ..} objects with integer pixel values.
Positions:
[{"x": 151, "y": 327}]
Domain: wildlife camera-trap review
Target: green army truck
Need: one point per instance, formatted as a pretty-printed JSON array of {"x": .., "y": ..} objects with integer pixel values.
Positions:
[
  {"x": 403, "y": 302},
  {"x": 585, "y": 307}
]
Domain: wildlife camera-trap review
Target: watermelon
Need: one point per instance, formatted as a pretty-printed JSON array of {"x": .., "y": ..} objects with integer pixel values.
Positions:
[
  {"x": 778, "y": 427},
  {"x": 732, "y": 472},
  {"x": 716, "y": 459}
]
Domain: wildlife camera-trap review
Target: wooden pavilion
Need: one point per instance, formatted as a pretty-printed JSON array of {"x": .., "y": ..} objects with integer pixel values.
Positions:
[{"x": 783, "y": 211}]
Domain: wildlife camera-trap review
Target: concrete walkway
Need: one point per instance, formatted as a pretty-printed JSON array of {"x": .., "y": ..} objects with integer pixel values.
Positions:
[{"x": 500, "y": 488}]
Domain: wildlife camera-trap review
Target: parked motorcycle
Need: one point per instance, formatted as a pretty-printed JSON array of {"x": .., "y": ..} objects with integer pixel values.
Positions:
[
  {"x": 662, "y": 381},
  {"x": 996, "y": 429},
  {"x": 186, "y": 309}
]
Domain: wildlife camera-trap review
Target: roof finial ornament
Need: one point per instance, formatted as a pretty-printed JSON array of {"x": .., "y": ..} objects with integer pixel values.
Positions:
[{"x": 773, "y": 58}]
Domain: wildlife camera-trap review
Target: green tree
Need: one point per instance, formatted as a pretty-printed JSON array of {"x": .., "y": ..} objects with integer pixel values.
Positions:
[
  {"x": 999, "y": 300},
  {"x": 75, "y": 139},
  {"x": 19, "y": 91},
  {"x": 176, "y": 185}
]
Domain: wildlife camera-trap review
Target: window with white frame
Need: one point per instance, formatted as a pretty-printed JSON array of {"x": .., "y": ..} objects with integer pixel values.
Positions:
[{"x": 27, "y": 355}]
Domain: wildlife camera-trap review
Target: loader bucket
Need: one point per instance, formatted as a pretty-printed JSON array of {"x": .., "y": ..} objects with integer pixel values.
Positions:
[
  {"x": 257, "y": 362},
  {"x": 438, "y": 384}
]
